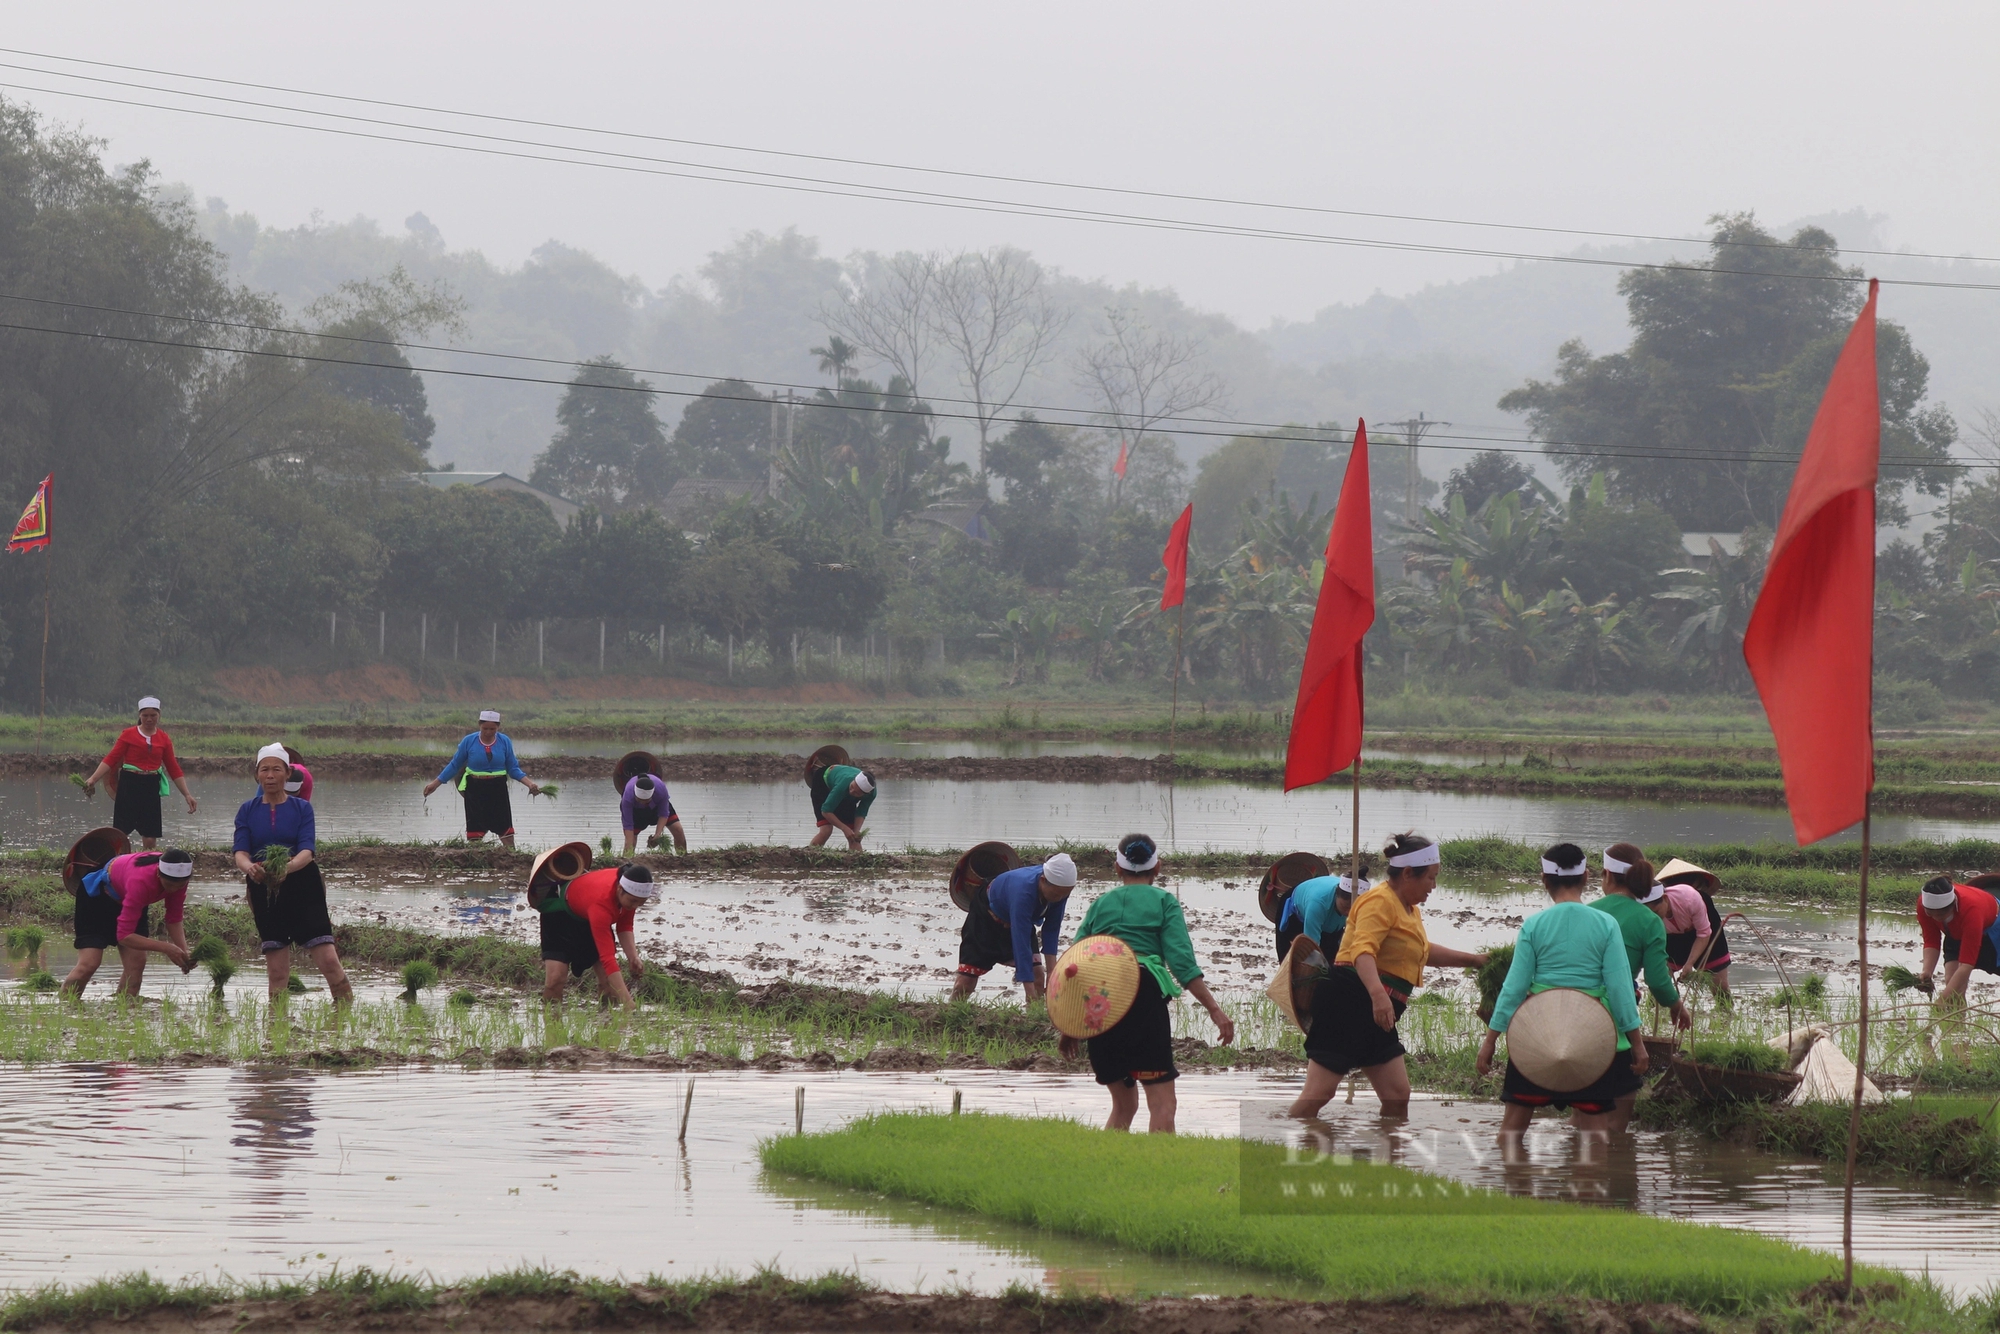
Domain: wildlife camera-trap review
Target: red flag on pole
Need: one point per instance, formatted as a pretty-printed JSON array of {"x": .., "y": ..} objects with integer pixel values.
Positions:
[
  {"x": 1811, "y": 640},
  {"x": 33, "y": 529},
  {"x": 1326, "y": 722},
  {"x": 1124, "y": 457},
  {"x": 1175, "y": 559}
]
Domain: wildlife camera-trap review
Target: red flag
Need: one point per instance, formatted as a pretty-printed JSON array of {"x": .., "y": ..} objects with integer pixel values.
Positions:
[
  {"x": 1175, "y": 559},
  {"x": 1326, "y": 722},
  {"x": 1118, "y": 468},
  {"x": 33, "y": 529},
  {"x": 1811, "y": 640}
]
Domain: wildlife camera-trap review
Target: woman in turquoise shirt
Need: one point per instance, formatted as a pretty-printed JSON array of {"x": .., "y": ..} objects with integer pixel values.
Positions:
[{"x": 1573, "y": 946}]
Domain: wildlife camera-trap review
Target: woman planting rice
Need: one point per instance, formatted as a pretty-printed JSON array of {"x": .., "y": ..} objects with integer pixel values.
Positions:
[
  {"x": 1638, "y": 905},
  {"x": 1380, "y": 962},
  {"x": 1567, "y": 946},
  {"x": 112, "y": 908},
  {"x": 577, "y": 934},
  {"x": 274, "y": 850},
  {"x": 1696, "y": 941},
  {"x": 850, "y": 791},
  {"x": 1139, "y": 1049},
  {"x": 1318, "y": 908},
  {"x": 1971, "y": 917},
  {"x": 143, "y": 758},
  {"x": 645, "y": 802},
  {"x": 1000, "y": 925},
  {"x": 482, "y": 764}
]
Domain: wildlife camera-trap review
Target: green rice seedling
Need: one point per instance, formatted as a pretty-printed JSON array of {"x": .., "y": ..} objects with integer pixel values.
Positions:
[
  {"x": 24, "y": 941},
  {"x": 1898, "y": 978},
  {"x": 418, "y": 974},
  {"x": 1396, "y": 1233},
  {"x": 1753, "y": 1056},
  {"x": 1491, "y": 977},
  {"x": 276, "y": 857},
  {"x": 604, "y": 846},
  {"x": 219, "y": 971},
  {"x": 210, "y": 949},
  {"x": 464, "y": 996},
  {"x": 78, "y": 779},
  {"x": 295, "y": 985},
  {"x": 40, "y": 981},
  {"x": 549, "y": 790}
]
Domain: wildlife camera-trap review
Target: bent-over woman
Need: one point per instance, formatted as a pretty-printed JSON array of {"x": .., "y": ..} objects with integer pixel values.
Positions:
[
  {"x": 1572, "y": 946},
  {"x": 111, "y": 908},
  {"x": 1380, "y": 963},
  {"x": 1138, "y": 1051},
  {"x": 293, "y": 910}
]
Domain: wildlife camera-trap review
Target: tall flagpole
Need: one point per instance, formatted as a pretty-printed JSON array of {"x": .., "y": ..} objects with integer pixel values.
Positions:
[
  {"x": 1860, "y": 1069},
  {"x": 1174, "y": 711},
  {"x": 1355, "y": 882},
  {"x": 42, "y": 708}
]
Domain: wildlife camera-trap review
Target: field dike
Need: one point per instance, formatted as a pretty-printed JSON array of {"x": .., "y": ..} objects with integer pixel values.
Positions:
[{"x": 528, "y": 1299}]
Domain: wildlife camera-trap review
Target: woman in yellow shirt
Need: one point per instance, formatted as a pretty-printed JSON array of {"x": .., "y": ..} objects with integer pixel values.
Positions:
[{"x": 1381, "y": 961}]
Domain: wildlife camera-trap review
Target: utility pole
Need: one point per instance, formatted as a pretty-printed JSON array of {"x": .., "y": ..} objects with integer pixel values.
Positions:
[{"x": 1415, "y": 428}]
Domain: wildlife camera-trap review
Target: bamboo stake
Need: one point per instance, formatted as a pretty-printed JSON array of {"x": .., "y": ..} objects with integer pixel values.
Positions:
[
  {"x": 1355, "y": 883},
  {"x": 1174, "y": 711},
  {"x": 686, "y": 1107},
  {"x": 1860, "y": 1067},
  {"x": 799, "y": 1112}
]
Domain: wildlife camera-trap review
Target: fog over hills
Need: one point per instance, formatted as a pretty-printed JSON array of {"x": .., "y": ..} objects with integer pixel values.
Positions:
[{"x": 1448, "y": 350}]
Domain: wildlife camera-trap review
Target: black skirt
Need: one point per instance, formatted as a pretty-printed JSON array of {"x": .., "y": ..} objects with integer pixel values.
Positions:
[
  {"x": 1140, "y": 1047},
  {"x": 818, "y": 788},
  {"x": 136, "y": 807},
  {"x": 1601, "y": 1096},
  {"x": 984, "y": 941},
  {"x": 96, "y": 922},
  {"x": 489, "y": 807},
  {"x": 1344, "y": 1033},
  {"x": 566, "y": 938},
  {"x": 296, "y": 914}
]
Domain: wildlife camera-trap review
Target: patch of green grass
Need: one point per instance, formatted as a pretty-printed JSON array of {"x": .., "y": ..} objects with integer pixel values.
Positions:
[
  {"x": 1400, "y": 1232},
  {"x": 1950, "y": 1139}
]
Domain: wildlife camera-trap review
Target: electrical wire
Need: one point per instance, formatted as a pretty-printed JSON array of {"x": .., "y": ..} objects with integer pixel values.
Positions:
[
  {"x": 877, "y": 164},
  {"x": 966, "y": 203},
  {"x": 1299, "y": 433}
]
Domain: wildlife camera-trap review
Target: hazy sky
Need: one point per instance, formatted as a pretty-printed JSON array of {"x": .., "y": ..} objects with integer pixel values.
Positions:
[{"x": 1644, "y": 117}]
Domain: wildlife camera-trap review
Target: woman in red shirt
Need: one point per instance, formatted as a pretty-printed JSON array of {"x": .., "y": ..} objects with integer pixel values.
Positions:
[
  {"x": 1971, "y": 917},
  {"x": 140, "y": 764}
]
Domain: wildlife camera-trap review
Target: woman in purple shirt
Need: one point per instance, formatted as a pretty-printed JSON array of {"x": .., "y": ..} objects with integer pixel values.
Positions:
[
  {"x": 293, "y": 911},
  {"x": 646, "y": 803}
]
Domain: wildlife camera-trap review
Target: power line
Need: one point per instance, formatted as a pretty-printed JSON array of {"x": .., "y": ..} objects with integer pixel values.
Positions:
[
  {"x": 877, "y": 164},
  {"x": 1300, "y": 433},
  {"x": 636, "y": 165},
  {"x": 1423, "y": 427}
]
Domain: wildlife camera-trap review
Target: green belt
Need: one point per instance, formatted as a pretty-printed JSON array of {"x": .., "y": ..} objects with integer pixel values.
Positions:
[
  {"x": 466, "y": 774},
  {"x": 1390, "y": 980},
  {"x": 135, "y": 769},
  {"x": 1170, "y": 986}
]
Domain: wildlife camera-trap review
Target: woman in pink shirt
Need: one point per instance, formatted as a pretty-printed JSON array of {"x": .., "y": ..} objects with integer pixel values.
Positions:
[
  {"x": 1695, "y": 938},
  {"x": 112, "y": 909}
]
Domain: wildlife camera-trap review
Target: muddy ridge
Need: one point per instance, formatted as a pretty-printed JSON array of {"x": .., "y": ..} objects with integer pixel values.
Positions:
[{"x": 747, "y": 1308}]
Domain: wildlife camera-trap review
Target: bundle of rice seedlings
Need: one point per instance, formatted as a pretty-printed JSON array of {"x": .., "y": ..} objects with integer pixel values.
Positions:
[
  {"x": 1898, "y": 978},
  {"x": 604, "y": 845},
  {"x": 210, "y": 949},
  {"x": 219, "y": 972},
  {"x": 78, "y": 780},
  {"x": 464, "y": 996},
  {"x": 1810, "y": 990},
  {"x": 548, "y": 790},
  {"x": 40, "y": 981},
  {"x": 1754, "y": 1056},
  {"x": 1492, "y": 975},
  {"x": 417, "y": 975},
  {"x": 276, "y": 858},
  {"x": 296, "y": 985},
  {"x": 24, "y": 941}
]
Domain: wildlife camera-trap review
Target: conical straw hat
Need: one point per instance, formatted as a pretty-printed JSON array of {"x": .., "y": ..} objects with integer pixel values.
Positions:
[
  {"x": 90, "y": 853},
  {"x": 630, "y": 765},
  {"x": 1286, "y": 874},
  {"x": 1093, "y": 986},
  {"x": 1298, "y": 977},
  {"x": 562, "y": 864},
  {"x": 1562, "y": 1039},
  {"x": 1677, "y": 867},
  {"x": 824, "y": 757},
  {"x": 981, "y": 862}
]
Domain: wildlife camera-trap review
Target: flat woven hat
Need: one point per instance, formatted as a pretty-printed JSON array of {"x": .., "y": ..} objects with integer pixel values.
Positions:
[
  {"x": 556, "y": 868},
  {"x": 1286, "y": 874},
  {"x": 631, "y": 764},
  {"x": 1093, "y": 986},
  {"x": 1562, "y": 1039},
  {"x": 824, "y": 757}
]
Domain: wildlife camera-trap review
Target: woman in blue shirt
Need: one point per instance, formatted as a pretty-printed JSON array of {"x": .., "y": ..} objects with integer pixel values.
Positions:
[
  {"x": 293, "y": 911},
  {"x": 483, "y": 763}
]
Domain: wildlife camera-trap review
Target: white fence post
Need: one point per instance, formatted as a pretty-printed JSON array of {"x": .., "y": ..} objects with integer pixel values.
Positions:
[
  {"x": 541, "y": 644},
  {"x": 382, "y": 634}
]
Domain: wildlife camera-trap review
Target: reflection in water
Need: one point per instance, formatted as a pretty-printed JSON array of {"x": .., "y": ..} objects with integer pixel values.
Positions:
[{"x": 272, "y": 1133}]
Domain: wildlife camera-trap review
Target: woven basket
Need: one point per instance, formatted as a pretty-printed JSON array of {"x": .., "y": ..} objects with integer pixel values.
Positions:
[{"x": 1712, "y": 1083}]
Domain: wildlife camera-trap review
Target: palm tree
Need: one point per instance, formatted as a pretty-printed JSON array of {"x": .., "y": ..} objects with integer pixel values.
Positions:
[{"x": 837, "y": 358}]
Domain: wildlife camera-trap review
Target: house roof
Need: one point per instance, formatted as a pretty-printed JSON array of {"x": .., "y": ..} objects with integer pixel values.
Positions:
[{"x": 562, "y": 510}]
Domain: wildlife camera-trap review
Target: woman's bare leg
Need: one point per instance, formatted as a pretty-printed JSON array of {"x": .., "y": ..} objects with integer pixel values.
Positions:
[
  {"x": 1161, "y": 1104},
  {"x": 1124, "y": 1106},
  {"x": 1321, "y": 1085},
  {"x": 1391, "y": 1080},
  {"x": 87, "y": 963},
  {"x": 327, "y": 959}
]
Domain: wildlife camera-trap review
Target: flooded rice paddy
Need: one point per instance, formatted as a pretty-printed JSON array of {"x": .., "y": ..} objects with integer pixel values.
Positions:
[
  {"x": 940, "y": 813},
  {"x": 273, "y": 1174}
]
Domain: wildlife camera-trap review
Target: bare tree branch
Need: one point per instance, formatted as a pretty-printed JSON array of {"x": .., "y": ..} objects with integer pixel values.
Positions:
[
  {"x": 887, "y": 314},
  {"x": 1141, "y": 378},
  {"x": 990, "y": 310}
]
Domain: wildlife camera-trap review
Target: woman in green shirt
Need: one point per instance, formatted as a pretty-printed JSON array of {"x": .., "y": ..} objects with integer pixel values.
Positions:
[
  {"x": 1139, "y": 1049},
  {"x": 1638, "y": 905}
]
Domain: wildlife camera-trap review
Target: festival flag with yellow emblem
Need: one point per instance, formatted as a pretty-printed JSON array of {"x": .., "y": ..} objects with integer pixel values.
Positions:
[{"x": 32, "y": 531}]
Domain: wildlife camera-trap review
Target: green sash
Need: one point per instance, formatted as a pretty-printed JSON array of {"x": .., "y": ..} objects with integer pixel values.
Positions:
[
  {"x": 470, "y": 773},
  {"x": 135, "y": 769}
]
